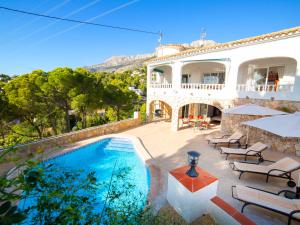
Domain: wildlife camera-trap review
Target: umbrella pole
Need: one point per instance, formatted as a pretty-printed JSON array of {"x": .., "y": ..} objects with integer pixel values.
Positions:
[
  {"x": 247, "y": 137},
  {"x": 298, "y": 188}
]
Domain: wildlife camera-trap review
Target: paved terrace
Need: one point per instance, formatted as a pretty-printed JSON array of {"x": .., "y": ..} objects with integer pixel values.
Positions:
[{"x": 169, "y": 151}]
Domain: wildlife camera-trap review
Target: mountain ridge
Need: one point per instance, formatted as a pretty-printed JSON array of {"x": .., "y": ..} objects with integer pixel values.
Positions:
[{"x": 121, "y": 63}]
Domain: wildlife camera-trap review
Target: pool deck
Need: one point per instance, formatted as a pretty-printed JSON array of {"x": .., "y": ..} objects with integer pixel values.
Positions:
[{"x": 167, "y": 150}]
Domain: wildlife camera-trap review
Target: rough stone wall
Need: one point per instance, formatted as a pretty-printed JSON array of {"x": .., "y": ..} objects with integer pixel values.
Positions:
[
  {"x": 290, "y": 106},
  {"x": 231, "y": 123},
  {"x": 61, "y": 140}
]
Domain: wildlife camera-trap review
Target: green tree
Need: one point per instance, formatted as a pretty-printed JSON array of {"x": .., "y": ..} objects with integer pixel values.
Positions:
[
  {"x": 7, "y": 113},
  {"x": 86, "y": 95},
  {"x": 24, "y": 93},
  {"x": 60, "y": 83},
  {"x": 4, "y": 78},
  {"x": 118, "y": 97}
]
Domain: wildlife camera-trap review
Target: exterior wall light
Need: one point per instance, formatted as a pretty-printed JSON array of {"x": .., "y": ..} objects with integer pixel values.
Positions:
[{"x": 193, "y": 158}]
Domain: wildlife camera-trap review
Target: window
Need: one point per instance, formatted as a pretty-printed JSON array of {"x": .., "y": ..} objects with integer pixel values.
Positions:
[
  {"x": 214, "y": 78},
  {"x": 260, "y": 76},
  {"x": 153, "y": 77},
  {"x": 185, "y": 78},
  {"x": 268, "y": 75},
  {"x": 275, "y": 73},
  {"x": 185, "y": 111}
]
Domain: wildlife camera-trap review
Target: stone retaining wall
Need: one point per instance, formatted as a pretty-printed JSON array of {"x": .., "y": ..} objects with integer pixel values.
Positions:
[
  {"x": 231, "y": 123},
  {"x": 283, "y": 105},
  {"x": 23, "y": 151}
]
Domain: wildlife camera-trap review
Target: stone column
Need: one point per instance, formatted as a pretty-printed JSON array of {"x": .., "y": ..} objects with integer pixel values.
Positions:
[
  {"x": 297, "y": 80},
  {"x": 232, "y": 68},
  {"x": 176, "y": 86},
  {"x": 176, "y": 75},
  {"x": 149, "y": 71},
  {"x": 174, "y": 121}
]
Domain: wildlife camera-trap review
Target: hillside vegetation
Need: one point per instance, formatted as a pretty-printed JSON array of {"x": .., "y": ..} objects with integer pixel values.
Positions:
[{"x": 40, "y": 104}]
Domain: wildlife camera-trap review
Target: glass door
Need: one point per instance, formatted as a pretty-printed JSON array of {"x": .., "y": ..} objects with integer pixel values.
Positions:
[
  {"x": 185, "y": 78},
  {"x": 185, "y": 111}
]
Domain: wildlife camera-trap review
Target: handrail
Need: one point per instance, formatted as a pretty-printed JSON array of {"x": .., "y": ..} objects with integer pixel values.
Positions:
[
  {"x": 162, "y": 85},
  {"x": 201, "y": 86},
  {"x": 266, "y": 88}
]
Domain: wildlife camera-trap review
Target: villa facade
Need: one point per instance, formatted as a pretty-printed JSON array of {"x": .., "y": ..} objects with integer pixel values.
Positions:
[{"x": 185, "y": 81}]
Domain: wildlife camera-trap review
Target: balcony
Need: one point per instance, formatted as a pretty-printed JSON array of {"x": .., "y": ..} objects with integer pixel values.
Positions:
[
  {"x": 200, "y": 86},
  {"x": 161, "y": 85},
  {"x": 265, "y": 88}
]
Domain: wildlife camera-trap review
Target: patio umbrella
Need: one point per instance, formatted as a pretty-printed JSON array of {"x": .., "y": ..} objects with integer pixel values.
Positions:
[
  {"x": 253, "y": 110},
  {"x": 286, "y": 126}
]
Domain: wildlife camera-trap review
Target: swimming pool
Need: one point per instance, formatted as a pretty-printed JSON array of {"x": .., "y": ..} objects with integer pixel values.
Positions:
[{"x": 105, "y": 157}]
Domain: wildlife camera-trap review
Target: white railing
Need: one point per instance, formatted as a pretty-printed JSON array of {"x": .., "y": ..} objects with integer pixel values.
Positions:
[
  {"x": 166, "y": 85},
  {"x": 202, "y": 86},
  {"x": 265, "y": 88}
]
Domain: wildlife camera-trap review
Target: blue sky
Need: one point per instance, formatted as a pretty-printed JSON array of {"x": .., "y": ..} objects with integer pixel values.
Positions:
[{"x": 28, "y": 43}]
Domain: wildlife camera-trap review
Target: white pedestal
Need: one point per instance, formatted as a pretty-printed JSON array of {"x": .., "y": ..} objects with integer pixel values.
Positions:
[{"x": 190, "y": 196}]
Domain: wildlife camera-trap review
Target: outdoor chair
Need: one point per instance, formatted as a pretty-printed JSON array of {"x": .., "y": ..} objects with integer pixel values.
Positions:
[
  {"x": 227, "y": 139},
  {"x": 283, "y": 168},
  {"x": 185, "y": 121},
  {"x": 268, "y": 200},
  {"x": 254, "y": 150}
]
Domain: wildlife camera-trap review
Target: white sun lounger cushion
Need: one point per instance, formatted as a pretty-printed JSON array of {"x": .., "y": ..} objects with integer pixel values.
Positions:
[
  {"x": 257, "y": 147},
  {"x": 262, "y": 198},
  {"x": 285, "y": 164},
  {"x": 234, "y": 137}
]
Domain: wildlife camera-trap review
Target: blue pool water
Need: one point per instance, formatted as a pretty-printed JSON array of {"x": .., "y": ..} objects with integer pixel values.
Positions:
[{"x": 105, "y": 157}]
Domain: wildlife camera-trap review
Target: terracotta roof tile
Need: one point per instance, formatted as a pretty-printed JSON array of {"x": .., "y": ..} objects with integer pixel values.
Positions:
[{"x": 223, "y": 46}]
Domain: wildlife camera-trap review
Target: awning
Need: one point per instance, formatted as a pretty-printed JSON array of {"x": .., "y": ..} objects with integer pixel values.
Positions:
[{"x": 158, "y": 70}]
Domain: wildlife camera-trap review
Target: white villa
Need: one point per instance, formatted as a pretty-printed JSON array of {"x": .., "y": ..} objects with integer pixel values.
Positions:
[{"x": 184, "y": 80}]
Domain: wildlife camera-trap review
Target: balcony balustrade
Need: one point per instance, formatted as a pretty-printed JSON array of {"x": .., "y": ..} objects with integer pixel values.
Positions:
[
  {"x": 265, "y": 88},
  {"x": 200, "y": 86},
  {"x": 163, "y": 85}
]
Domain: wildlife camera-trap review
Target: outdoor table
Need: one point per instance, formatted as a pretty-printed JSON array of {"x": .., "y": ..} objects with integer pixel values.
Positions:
[{"x": 195, "y": 122}]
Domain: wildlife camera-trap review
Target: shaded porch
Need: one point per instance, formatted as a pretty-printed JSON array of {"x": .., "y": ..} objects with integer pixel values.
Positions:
[
  {"x": 198, "y": 114},
  {"x": 159, "y": 110},
  {"x": 204, "y": 75},
  {"x": 161, "y": 77},
  {"x": 276, "y": 74}
]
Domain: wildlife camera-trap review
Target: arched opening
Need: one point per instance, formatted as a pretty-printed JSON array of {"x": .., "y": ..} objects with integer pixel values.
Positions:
[
  {"x": 198, "y": 114},
  {"x": 267, "y": 74},
  {"x": 206, "y": 73},
  {"x": 161, "y": 77},
  {"x": 160, "y": 110}
]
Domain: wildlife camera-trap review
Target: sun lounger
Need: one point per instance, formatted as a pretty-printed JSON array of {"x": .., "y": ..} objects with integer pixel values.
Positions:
[
  {"x": 253, "y": 150},
  {"x": 268, "y": 200},
  {"x": 227, "y": 139},
  {"x": 283, "y": 168}
]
